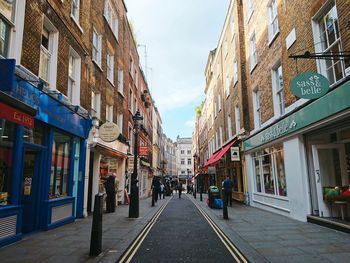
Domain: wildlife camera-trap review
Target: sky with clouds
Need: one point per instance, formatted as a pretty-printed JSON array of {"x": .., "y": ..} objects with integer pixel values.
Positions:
[{"x": 178, "y": 35}]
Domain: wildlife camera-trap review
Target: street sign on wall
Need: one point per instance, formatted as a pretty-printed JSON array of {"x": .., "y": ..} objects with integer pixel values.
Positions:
[
  {"x": 109, "y": 132},
  {"x": 309, "y": 85}
]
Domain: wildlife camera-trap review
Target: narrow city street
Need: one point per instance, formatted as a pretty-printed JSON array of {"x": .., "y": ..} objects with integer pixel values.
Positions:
[{"x": 182, "y": 234}]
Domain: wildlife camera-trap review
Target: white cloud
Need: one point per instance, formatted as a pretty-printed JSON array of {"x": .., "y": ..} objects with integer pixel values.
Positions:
[
  {"x": 170, "y": 100},
  {"x": 190, "y": 123}
]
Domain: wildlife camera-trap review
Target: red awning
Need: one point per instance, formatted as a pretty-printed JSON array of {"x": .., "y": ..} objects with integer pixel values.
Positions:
[{"x": 217, "y": 156}]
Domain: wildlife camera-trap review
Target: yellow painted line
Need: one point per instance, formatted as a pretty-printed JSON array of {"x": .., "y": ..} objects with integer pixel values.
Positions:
[
  {"x": 238, "y": 256},
  {"x": 130, "y": 252}
]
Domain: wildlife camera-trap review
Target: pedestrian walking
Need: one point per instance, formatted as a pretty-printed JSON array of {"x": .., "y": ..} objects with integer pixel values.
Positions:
[
  {"x": 110, "y": 191},
  {"x": 161, "y": 192},
  {"x": 227, "y": 186},
  {"x": 179, "y": 188},
  {"x": 156, "y": 186}
]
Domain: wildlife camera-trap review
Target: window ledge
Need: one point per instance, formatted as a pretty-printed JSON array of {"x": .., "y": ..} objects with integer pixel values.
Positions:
[
  {"x": 253, "y": 68},
  {"x": 250, "y": 16},
  {"x": 273, "y": 38},
  {"x": 97, "y": 64},
  {"x": 77, "y": 24},
  {"x": 121, "y": 93},
  {"x": 284, "y": 198},
  {"x": 111, "y": 82}
]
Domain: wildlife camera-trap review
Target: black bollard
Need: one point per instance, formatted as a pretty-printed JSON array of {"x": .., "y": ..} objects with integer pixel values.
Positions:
[
  {"x": 96, "y": 230},
  {"x": 194, "y": 193},
  {"x": 200, "y": 194},
  {"x": 224, "y": 208},
  {"x": 153, "y": 196}
]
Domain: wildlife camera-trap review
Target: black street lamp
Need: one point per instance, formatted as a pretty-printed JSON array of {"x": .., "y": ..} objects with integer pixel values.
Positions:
[{"x": 134, "y": 192}]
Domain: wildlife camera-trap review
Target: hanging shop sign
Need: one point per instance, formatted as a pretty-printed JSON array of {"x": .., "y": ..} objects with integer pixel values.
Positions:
[
  {"x": 333, "y": 102},
  {"x": 143, "y": 151},
  {"x": 109, "y": 132},
  {"x": 309, "y": 85},
  {"x": 235, "y": 154}
]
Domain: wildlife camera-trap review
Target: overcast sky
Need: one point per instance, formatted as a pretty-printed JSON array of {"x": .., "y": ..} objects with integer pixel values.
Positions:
[{"x": 178, "y": 35}]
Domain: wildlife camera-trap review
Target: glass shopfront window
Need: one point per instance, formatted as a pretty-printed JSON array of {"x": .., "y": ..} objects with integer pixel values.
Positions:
[
  {"x": 7, "y": 134},
  {"x": 270, "y": 177},
  {"x": 34, "y": 135},
  {"x": 60, "y": 165}
]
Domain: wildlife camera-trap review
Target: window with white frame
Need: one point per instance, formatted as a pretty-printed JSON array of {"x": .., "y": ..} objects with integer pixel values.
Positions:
[
  {"x": 278, "y": 88},
  {"x": 328, "y": 40},
  {"x": 121, "y": 81},
  {"x": 225, "y": 48},
  {"x": 273, "y": 19},
  {"x": 75, "y": 12},
  {"x": 232, "y": 25},
  {"x": 110, "y": 68},
  {"x": 182, "y": 161},
  {"x": 221, "y": 136},
  {"x": 7, "y": 11},
  {"x": 109, "y": 113},
  {"x": 215, "y": 109},
  {"x": 48, "y": 53},
  {"x": 120, "y": 119},
  {"x": 216, "y": 140},
  {"x": 189, "y": 161},
  {"x": 96, "y": 47},
  {"x": 112, "y": 18},
  {"x": 229, "y": 126},
  {"x": 74, "y": 68},
  {"x": 130, "y": 99},
  {"x": 189, "y": 151},
  {"x": 235, "y": 72},
  {"x": 253, "y": 55},
  {"x": 250, "y": 8},
  {"x": 182, "y": 151},
  {"x": 219, "y": 102},
  {"x": 237, "y": 119},
  {"x": 96, "y": 104},
  {"x": 269, "y": 170},
  {"x": 256, "y": 108},
  {"x": 131, "y": 139},
  {"x": 227, "y": 86}
]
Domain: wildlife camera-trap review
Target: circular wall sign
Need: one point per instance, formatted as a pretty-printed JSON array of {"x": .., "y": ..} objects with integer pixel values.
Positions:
[
  {"x": 309, "y": 85},
  {"x": 109, "y": 132}
]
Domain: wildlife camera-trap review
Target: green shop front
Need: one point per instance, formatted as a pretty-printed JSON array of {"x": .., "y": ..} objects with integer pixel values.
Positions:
[
  {"x": 299, "y": 166},
  {"x": 42, "y": 156}
]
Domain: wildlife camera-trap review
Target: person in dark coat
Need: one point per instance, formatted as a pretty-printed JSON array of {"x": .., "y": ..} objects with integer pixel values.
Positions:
[
  {"x": 156, "y": 186},
  {"x": 179, "y": 188},
  {"x": 110, "y": 190},
  {"x": 227, "y": 186}
]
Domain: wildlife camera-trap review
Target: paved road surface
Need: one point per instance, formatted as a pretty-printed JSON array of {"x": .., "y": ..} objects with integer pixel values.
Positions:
[{"x": 181, "y": 234}]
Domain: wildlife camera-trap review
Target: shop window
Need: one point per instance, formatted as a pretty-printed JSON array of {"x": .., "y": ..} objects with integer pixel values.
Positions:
[
  {"x": 7, "y": 134},
  {"x": 270, "y": 177},
  {"x": 59, "y": 165},
  {"x": 34, "y": 135}
]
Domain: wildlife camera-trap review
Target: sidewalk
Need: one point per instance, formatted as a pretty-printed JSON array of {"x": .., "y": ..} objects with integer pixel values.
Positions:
[
  {"x": 267, "y": 237},
  {"x": 71, "y": 243}
]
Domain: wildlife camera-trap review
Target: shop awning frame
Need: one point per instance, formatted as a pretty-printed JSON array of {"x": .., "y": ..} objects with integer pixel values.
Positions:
[{"x": 217, "y": 156}]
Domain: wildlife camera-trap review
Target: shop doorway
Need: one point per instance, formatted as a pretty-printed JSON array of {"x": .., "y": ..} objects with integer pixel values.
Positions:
[
  {"x": 329, "y": 171},
  {"x": 76, "y": 174},
  {"x": 30, "y": 190}
]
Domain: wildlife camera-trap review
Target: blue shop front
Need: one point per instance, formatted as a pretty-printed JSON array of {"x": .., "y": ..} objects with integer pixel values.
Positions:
[{"x": 42, "y": 156}]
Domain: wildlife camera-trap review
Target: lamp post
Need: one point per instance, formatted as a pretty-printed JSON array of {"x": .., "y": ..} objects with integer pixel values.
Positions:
[{"x": 134, "y": 192}]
